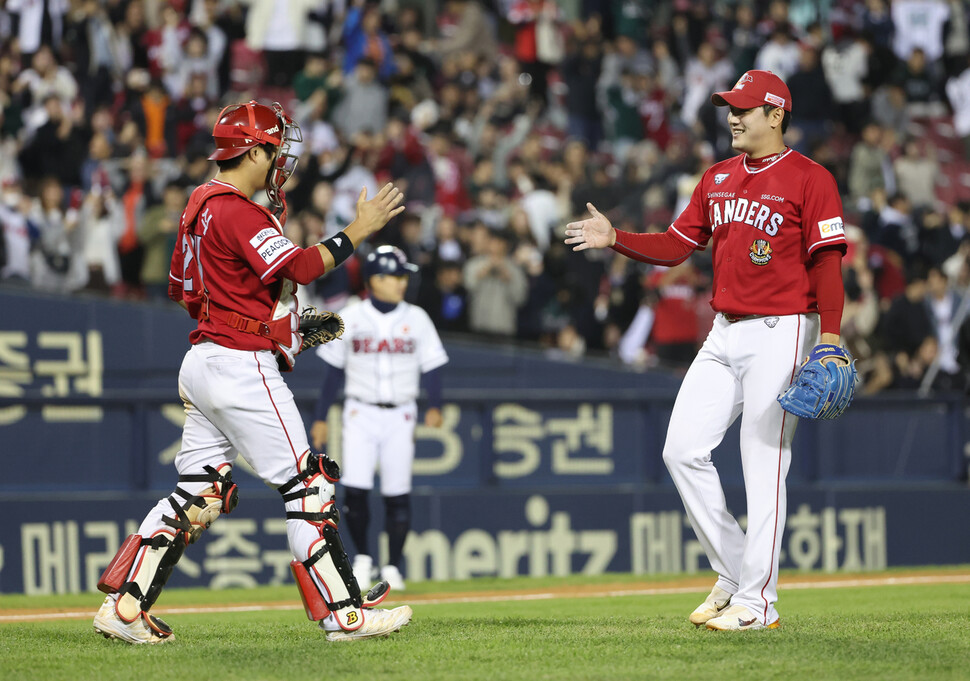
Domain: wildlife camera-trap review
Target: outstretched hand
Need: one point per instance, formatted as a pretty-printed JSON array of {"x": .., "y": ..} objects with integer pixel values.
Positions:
[
  {"x": 375, "y": 213},
  {"x": 594, "y": 232}
]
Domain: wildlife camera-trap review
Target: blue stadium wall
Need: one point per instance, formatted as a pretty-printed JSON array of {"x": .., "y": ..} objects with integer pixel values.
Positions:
[{"x": 542, "y": 467}]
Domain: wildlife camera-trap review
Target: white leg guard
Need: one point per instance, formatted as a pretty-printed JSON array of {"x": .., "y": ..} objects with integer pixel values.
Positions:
[
  {"x": 313, "y": 600},
  {"x": 325, "y": 562},
  {"x": 151, "y": 571}
]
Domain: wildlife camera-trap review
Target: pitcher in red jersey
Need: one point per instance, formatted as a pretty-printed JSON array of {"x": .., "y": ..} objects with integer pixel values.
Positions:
[
  {"x": 236, "y": 273},
  {"x": 773, "y": 219}
]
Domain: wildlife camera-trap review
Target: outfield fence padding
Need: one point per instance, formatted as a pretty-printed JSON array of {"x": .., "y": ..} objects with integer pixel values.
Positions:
[{"x": 541, "y": 467}]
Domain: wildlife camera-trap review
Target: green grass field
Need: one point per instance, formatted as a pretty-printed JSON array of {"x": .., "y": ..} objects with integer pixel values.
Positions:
[{"x": 880, "y": 632}]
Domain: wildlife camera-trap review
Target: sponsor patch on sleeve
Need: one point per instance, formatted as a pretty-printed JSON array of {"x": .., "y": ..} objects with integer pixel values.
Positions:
[
  {"x": 831, "y": 227},
  {"x": 271, "y": 249},
  {"x": 263, "y": 235}
]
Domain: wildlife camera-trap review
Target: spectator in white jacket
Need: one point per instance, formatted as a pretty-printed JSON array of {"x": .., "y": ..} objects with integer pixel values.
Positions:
[
  {"x": 846, "y": 65},
  {"x": 707, "y": 73},
  {"x": 102, "y": 221},
  {"x": 780, "y": 54},
  {"x": 958, "y": 93},
  {"x": 278, "y": 28}
]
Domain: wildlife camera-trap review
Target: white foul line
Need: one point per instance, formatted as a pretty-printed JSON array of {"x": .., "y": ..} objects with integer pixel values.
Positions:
[{"x": 653, "y": 591}]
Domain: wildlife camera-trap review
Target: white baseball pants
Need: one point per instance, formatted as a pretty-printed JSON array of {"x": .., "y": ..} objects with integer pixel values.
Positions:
[
  {"x": 237, "y": 402},
  {"x": 740, "y": 370},
  {"x": 376, "y": 437}
]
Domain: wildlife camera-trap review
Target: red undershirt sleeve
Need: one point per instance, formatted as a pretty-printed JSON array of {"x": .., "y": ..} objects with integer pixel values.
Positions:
[
  {"x": 829, "y": 291},
  {"x": 175, "y": 291},
  {"x": 656, "y": 249},
  {"x": 305, "y": 267}
]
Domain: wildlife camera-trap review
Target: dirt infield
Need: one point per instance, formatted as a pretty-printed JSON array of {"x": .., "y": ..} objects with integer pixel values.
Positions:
[{"x": 639, "y": 588}]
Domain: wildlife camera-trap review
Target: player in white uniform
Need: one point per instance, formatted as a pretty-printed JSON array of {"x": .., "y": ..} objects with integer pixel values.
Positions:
[
  {"x": 235, "y": 272},
  {"x": 387, "y": 346}
]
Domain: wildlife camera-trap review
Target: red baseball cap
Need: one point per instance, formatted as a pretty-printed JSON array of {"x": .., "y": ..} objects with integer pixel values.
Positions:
[{"x": 755, "y": 88}]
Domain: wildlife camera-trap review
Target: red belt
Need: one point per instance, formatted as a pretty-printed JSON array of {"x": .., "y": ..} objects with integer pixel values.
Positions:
[{"x": 277, "y": 330}]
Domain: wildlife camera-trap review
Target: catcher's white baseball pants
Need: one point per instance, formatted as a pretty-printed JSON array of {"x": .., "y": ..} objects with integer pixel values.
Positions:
[
  {"x": 378, "y": 437},
  {"x": 741, "y": 369},
  {"x": 237, "y": 402}
]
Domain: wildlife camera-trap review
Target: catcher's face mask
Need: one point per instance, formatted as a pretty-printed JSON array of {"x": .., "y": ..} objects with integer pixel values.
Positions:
[
  {"x": 240, "y": 127},
  {"x": 284, "y": 163}
]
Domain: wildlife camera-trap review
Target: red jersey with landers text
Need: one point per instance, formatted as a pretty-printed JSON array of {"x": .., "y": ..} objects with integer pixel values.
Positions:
[
  {"x": 764, "y": 222},
  {"x": 240, "y": 249}
]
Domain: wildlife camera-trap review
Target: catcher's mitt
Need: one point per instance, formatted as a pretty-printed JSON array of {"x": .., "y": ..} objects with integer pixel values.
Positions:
[
  {"x": 318, "y": 328},
  {"x": 821, "y": 391}
]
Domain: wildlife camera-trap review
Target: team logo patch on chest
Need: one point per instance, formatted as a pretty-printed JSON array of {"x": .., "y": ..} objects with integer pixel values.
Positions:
[
  {"x": 720, "y": 177},
  {"x": 760, "y": 252}
]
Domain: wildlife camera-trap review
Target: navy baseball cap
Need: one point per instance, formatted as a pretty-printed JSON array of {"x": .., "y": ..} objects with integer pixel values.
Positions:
[
  {"x": 755, "y": 88},
  {"x": 388, "y": 260}
]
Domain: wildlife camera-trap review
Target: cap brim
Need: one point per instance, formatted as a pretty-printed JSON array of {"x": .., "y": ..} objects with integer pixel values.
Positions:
[{"x": 735, "y": 98}]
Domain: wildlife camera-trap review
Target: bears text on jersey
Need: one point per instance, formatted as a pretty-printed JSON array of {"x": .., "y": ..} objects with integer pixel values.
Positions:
[{"x": 395, "y": 346}]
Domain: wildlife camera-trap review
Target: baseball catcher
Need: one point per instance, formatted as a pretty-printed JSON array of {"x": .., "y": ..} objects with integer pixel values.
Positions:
[
  {"x": 822, "y": 389},
  {"x": 236, "y": 272}
]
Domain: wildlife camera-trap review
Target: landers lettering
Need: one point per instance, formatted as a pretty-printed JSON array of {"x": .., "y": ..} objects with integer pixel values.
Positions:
[
  {"x": 750, "y": 213},
  {"x": 396, "y": 346}
]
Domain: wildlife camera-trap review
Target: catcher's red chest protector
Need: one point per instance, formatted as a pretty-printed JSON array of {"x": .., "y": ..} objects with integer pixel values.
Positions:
[{"x": 263, "y": 306}]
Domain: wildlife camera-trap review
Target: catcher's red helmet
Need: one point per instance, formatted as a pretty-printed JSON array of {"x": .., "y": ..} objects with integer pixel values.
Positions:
[{"x": 240, "y": 127}]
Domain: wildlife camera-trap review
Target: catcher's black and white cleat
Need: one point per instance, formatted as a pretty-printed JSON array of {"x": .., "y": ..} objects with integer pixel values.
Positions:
[{"x": 377, "y": 623}]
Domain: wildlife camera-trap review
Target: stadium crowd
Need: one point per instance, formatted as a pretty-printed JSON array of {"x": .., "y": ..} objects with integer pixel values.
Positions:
[{"x": 500, "y": 119}]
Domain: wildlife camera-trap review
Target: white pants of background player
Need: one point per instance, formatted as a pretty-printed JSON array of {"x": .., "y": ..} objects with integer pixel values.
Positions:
[
  {"x": 376, "y": 437},
  {"x": 237, "y": 402},
  {"x": 740, "y": 370}
]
